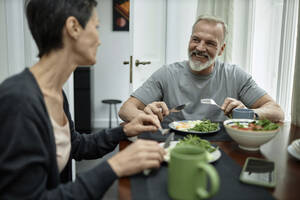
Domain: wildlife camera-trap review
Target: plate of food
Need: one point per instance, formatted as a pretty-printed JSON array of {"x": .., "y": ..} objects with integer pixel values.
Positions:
[
  {"x": 251, "y": 134},
  {"x": 213, "y": 153},
  {"x": 195, "y": 126}
]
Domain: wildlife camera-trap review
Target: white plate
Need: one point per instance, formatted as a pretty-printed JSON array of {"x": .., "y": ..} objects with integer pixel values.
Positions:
[
  {"x": 214, "y": 156},
  {"x": 293, "y": 152},
  {"x": 190, "y": 124}
]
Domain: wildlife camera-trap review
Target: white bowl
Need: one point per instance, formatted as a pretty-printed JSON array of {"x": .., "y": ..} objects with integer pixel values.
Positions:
[{"x": 248, "y": 139}]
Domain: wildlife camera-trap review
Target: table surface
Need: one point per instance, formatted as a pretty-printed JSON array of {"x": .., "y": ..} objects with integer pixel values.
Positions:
[{"x": 288, "y": 168}]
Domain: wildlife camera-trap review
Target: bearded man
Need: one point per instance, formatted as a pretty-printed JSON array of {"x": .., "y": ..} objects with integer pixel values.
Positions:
[{"x": 202, "y": 76}]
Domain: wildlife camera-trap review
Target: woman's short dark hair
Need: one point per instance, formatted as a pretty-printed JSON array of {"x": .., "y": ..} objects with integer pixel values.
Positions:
[{"x": 46, "y": 19}]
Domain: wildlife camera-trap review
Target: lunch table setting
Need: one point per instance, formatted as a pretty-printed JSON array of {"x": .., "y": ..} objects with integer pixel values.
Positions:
[{"x": 240, "y": 158}]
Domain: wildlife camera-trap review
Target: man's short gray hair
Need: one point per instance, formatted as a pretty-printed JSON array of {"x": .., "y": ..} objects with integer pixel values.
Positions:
[{"x": 211, "y": 18}]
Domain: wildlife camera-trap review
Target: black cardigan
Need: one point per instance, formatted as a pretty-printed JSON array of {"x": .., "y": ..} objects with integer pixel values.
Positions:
[{"x": 28, "y": 166}]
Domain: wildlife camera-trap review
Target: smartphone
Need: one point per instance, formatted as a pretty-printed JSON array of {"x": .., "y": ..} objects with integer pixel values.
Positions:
[{"x": 259, "y": 172}]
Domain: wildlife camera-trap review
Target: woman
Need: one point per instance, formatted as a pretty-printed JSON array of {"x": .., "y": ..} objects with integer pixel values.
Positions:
[{"x": 37, "y": 136}]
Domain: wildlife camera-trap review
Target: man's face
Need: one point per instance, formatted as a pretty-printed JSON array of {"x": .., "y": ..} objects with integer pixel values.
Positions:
[{"x": 206, "y": 43}]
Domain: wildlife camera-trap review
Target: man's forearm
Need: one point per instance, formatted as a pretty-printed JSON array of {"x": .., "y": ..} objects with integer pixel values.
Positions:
[
  {"x": 270, "y": 111},
  {"x": 129, "y": 111}
]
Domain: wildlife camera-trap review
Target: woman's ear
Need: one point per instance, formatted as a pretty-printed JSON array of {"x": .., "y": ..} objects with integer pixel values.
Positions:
[{"x": 73, "y": 28}]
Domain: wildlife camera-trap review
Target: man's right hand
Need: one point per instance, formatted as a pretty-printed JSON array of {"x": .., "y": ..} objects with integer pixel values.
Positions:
[{"x": 158, "y": 108}]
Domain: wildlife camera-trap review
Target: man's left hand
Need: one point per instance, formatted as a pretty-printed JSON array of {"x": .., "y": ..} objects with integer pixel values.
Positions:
[
  {"x": 230, "y": 104},
  {"x": 141, "y": 123}
]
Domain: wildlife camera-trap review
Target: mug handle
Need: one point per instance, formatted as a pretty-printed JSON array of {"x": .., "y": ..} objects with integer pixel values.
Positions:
[{"x": 214, "y": 178}]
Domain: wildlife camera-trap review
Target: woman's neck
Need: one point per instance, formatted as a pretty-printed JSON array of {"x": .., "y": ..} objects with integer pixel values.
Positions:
[{"x": 53, "y": 70}]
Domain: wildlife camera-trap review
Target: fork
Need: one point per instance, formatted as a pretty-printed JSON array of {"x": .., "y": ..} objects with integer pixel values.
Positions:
[
  {"x": 210, "y": 101},
  {"x": 179, "y": 108},
  {"x": 175, "y": 109}
]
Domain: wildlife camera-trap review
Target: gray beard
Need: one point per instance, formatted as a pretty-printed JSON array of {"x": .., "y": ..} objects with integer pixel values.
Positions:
[{"x": 199, "y": 66}]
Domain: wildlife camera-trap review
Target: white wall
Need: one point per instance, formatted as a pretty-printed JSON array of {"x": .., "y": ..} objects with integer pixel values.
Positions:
[
  {"x": 181, "y": 15},
  {"x": 3, "y": 43},
  {"x": 241, "y": 44},
  {"x": 266, "y": 44},
  {"x": 11, "y": 37},
  {"x": 110, "y": 77}
]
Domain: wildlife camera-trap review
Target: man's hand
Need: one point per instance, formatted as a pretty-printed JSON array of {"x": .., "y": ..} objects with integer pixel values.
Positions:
[
  {"x": 158, "y": 108},
  {"x": 230, "y": 104},
  {"x": 142, "y": 154},
  {"x": 141, "y": 123}
]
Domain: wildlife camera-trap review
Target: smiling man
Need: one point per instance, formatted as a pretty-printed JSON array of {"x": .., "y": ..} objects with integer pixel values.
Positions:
[
  {"x": 202, "y": 76},
  {"x": 206, "y": 44}
]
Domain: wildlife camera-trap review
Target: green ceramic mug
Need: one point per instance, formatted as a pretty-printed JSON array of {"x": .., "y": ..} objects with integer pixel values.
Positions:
[{"x": 188, "y": 172}]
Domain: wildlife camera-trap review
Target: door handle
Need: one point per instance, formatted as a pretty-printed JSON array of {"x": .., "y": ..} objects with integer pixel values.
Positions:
[
  {"x": 130, "y": 68},
  {"x": 137, "y": 63}
]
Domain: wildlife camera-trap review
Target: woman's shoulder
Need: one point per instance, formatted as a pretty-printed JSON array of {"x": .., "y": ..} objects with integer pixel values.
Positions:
[{"x": 19, "y": 91}]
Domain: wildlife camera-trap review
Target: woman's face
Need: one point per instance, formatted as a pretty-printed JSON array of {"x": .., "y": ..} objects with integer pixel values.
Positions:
[{"x": 88, "y": 42}]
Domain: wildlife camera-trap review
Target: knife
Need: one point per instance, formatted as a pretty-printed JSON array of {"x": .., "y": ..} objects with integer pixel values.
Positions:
[
  {"x": 164, "y": 131},
  {"x": 168, "y": 140}
]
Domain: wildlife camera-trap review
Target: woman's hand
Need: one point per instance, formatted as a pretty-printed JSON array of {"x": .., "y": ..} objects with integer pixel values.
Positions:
[
  {"x": 230, "y": 104},
  {"x": 140, "y": 155},
  {"x": 158, "y": 108},
  {"x": 141, "y": 123}
]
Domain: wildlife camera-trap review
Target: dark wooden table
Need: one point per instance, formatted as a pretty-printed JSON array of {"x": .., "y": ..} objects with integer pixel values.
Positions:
[{"x": 288, "y": 168}]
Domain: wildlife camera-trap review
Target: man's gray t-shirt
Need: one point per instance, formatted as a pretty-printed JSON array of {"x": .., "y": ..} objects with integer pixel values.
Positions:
[{"x": 175, "y": 84}]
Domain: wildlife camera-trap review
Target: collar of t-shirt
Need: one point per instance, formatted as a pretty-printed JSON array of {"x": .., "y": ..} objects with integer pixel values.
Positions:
[{"x": 198, "y": 76}]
